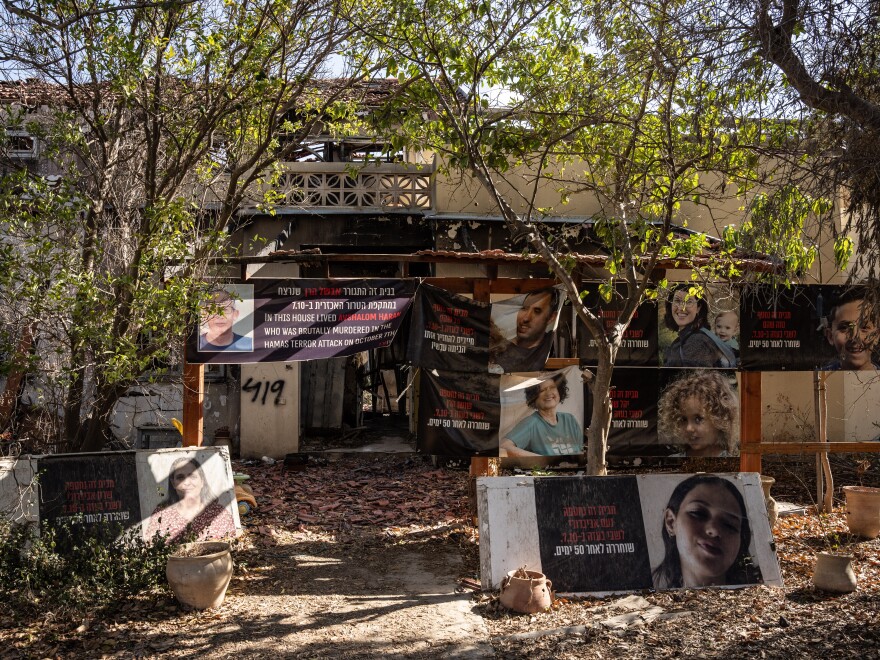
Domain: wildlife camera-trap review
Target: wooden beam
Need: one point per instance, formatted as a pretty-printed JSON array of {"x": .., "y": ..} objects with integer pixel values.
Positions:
[
  {"x": 488, "y": 257},
  {"x": 193, "y": 398},
  {"x": 811, "y": 448},
  {"x": 750, "y": 421},
  {"x": 560, "y": 363},
  {"x": 510, "y": 285}
]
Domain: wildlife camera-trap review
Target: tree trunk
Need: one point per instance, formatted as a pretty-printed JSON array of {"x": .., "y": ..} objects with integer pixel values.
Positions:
[
  {"x": 95, "y": 430},
  {"x": 600, "y": 419},
  {"x": 73, "y": 413}
]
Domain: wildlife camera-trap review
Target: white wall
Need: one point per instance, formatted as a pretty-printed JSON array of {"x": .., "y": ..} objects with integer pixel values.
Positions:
[{"x": 269, "y": 410}]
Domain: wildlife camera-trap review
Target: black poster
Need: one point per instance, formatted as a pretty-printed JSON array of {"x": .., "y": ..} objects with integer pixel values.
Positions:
[
  {"x": 634, "y": 413},
  {"x": 591, "y": 533},
  {"x": 95, "y": 491},
  {"x": 639, "y": 344},
  {"x": 458, "y": 414},
  {"x": 300, "y": 319},
  {"x": 784, "y": 330},
  {"x": 448, "y": 332}
]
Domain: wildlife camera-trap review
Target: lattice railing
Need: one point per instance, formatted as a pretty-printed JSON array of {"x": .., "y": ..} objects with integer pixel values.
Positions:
[{"x": 339, "y": 185}]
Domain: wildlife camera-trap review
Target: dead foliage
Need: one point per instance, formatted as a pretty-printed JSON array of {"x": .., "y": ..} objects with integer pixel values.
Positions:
[{"x": 356, "y": 512}]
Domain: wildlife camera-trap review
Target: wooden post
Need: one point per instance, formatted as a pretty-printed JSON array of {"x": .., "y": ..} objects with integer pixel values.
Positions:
[
  {"x": 193, "y": 398},
  {"x": 750, "y": 422},
  {"x": 824, "y": 480}
]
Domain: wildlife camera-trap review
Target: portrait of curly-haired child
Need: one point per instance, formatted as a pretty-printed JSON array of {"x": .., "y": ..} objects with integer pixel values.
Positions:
[{"x": 699, "y": 413}]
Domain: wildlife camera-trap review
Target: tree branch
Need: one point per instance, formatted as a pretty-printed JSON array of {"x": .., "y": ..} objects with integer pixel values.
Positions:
[{"x": 777, "y": 47}]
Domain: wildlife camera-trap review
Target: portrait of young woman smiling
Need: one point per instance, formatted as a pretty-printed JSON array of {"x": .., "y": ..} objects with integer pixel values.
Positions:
[{"x": 706, "y": 536}]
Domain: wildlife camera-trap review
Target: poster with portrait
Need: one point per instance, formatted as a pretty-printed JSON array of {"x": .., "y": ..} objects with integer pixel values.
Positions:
[
  {"x": 639, "y": 344},
  {"x": 281, "y": 320},
  {"x": 808, "y": 328},
  {"x": 699, "y": 326},
  {"x": 598, "y": 535},
  {"x": 448, "y": 331},
  {"x": 97, "y": 493},
  {"x": 187, "y": 494},
  {"x": 698, "y": 412},
  {"x": 458, "y": 413},
  {"x": 542, "y": 413},
  {"x": 522, "y": 330}
]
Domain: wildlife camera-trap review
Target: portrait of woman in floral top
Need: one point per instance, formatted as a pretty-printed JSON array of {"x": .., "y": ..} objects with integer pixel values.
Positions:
[{"x": 191, "y": 512}]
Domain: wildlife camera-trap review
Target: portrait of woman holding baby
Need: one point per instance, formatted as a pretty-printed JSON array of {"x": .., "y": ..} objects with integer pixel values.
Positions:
[{"x": 695, "y": 344}]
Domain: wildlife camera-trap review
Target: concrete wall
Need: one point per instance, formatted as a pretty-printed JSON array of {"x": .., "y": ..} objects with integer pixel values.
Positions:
[
  {"x": 151, "y": 406},
  {"x": 18, "y": 490},
  {"x": 269, "y": 410}
]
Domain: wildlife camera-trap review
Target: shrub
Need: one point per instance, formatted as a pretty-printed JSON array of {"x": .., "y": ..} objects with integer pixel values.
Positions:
[{"x": 73, "y": 566}]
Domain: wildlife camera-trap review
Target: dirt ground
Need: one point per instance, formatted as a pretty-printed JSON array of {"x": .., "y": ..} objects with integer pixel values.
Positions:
[{"x": 374, "y": 556}]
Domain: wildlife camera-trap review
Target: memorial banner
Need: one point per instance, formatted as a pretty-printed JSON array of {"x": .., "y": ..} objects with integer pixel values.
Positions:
[
  {"x": 455, "y": 333},
  {"x": 448, "y": 332},
  {"x": 595, "y": 535},
  {"x": 458, "y": 413},
  {"x": 807, "y": 328},
  {"x": 96, "y": 492},
  {"x": 639, "y": 345},
  {"x": 531, "y": 414},
  {"x": 145, "y": 492},
  {"x": 299, "y": 319}
]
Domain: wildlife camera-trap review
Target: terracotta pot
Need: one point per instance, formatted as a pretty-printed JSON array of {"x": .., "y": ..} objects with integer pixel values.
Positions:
[
  {"x": 526, "y": 595},
  {"x": 199, "y": 574},
  {"x": 863, "y": 510},
  {"x": 223, "y": 438},
  {"x": 834, "y": 573},
  {"x": 772, "y": 508}
]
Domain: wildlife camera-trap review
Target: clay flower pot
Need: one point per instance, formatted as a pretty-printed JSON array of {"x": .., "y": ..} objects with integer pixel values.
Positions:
[
  {"x": 526, "y": 592},
  {"x": 834, "y": 573},
  {"x": 863, "y": 510},
  {"x": 199, "y": 573}
]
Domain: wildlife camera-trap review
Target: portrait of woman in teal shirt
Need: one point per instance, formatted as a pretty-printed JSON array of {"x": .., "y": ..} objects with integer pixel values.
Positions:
[{"x": 547, "y": 431}]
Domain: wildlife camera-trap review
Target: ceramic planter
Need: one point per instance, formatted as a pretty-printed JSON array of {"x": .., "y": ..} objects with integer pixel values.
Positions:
[
  {"x": 834, "y": 573},
  {"x": 199, "y": 574},
  {"x": 863, "y": 510},
  {"x": 528, "y": 593},
  {"x": 772, "y": 508}
]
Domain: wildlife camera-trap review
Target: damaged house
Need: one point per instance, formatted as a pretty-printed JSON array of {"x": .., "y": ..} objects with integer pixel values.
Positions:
[{"x": 338, "y": 205}]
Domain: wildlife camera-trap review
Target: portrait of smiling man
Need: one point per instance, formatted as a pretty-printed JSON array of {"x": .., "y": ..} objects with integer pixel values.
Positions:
[{"x": 529, "y": 346}]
